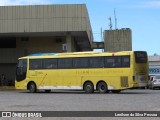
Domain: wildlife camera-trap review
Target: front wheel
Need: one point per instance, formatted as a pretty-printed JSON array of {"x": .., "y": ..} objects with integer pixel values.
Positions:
[
  {"x": 32, "y": 87},
  {"x": 89, "y": 87},
  {"x": 102, "y": 87}
]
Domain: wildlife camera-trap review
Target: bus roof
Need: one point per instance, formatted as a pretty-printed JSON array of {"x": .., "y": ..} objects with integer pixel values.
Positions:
[
  {"x": 76, "y": 54},
  {"x": 42, "y": 54}
]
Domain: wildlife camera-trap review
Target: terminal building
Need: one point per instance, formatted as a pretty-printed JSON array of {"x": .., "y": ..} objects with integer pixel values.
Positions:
[
  {"x": 118, "y": 40},
  {"x": 41, "y": 28},
  {"x": 154, "y": 65}
]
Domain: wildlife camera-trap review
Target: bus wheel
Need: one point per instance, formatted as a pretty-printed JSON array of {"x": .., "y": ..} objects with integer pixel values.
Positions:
[
  {"x": 32, "y": 87},
  {"x": 88, "y": 87},
  {"x": 102, "y": 87},
  {"x": 116, "y": 91}
]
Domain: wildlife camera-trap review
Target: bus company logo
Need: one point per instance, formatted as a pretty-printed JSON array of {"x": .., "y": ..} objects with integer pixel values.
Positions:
[{"x": 6, "y": 114}]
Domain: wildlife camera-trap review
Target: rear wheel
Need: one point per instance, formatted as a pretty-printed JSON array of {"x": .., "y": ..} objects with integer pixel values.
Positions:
[
  {"x": 102, "y": 87},
  {"x": 32, "y": 87},
  {"x": 89, "y": 87}
]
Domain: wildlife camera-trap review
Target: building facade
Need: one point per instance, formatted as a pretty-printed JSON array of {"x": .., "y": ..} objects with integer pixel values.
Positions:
[
  {"x": 154, "y": 65},
  {"x": 41, "y": 28},
  {"x": 118, "y": 40}
]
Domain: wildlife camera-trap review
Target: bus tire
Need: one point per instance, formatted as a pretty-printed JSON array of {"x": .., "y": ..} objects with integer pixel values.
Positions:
[
  {"x": 32, "y": 87},
  {"x": 88, "y": 87},
  {"x": 102, "y": 87}
]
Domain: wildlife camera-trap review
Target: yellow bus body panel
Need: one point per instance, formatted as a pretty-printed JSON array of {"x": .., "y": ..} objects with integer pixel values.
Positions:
[{"x": 115, "y": 78}]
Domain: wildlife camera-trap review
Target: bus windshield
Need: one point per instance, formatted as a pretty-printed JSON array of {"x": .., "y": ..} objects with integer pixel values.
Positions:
[
  {"x": 140, "y": 56},
  {"x": 21, "y": 70}
]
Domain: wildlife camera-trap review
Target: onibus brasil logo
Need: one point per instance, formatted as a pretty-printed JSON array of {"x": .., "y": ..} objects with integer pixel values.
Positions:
[{"x": 21, "y": 114}]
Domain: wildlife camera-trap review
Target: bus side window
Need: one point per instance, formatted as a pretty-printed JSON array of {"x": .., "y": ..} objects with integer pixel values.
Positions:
[
  {"x": 64, "y": 63},
  {"x": 96, "y": 62},
  {"x": 112, "y": 62},
  {"x": 81, "y": 62},
  {"x": 35, "y": 64},
  {"x": 109, "y": 62},
  {"x": 117, "y": 62},
  {"x": 50, "y": 63},
  {"x": 125, "y": 61}
]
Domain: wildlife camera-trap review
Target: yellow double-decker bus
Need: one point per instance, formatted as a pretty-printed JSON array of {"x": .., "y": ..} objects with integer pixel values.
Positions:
[{"x": 88, "y": 71}]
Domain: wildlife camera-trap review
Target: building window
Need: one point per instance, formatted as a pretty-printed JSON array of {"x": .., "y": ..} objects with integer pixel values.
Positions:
[{"x": 7, "y": 42}]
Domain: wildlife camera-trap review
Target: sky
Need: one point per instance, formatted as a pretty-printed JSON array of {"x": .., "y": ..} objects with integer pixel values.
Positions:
[{"x": 141, "y": 16}]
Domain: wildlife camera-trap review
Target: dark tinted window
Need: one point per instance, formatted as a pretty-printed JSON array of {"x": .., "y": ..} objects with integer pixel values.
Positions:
[
  {"x": 140, "y": 57},
  {"x": 21, "y": 70},
  {"x": 65, "y": 63},
  {"x": 49, "y": 63},
  {"x": 112, "y": 62},
  {"x": 35, "y": 64},
  {"x": 80, "y": 63},
  {"x": 125, "y": 61},
  {"x": 96, "y": 62},
  {"x": 85, "y": 62},
  {"x": 22, "y": 63}
]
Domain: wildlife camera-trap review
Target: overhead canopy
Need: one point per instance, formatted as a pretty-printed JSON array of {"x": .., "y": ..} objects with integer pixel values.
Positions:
[{"x": 47, "y": 20}]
